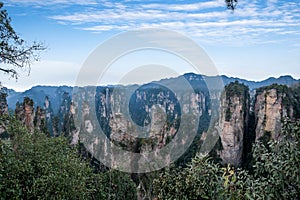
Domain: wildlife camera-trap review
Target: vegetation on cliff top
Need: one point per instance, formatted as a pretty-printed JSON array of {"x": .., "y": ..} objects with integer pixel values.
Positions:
[
  {"x": 290, "y": 96},
  {"x": 235, "y": 89}
]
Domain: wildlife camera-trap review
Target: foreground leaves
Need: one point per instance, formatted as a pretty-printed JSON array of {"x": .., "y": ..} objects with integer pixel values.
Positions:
[
  {"x": 34, "y": 166},
  {"x": 275, "y": 174}
]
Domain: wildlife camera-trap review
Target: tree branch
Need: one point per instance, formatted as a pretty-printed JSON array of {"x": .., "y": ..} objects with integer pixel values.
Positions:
[
  {"x": 10, "y": 71},
  {"x": 14, "y": 52}
]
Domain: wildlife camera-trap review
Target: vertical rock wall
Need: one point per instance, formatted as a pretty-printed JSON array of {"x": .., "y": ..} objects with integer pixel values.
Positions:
[
  {"x": 270, "y": 110},
  {"x": 233, "y": 123}
]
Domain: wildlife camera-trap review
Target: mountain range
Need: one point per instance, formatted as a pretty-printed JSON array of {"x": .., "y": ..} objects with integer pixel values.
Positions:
[{"x": 55, "y": 93}]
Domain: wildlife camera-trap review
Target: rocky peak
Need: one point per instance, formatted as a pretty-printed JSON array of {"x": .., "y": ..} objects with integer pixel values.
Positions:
[
  {"x": 40, "y": 119},
  {"x": 3, "y": 101},
  {"x": 24, "y": 112},
  {"x": 233, "y": 122},
  {"x": 272, "y": 104},
  {"x": 3, "y": 106}
]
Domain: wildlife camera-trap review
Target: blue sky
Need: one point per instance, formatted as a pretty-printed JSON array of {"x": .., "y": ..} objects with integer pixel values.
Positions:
[{"x": 260, "y": 39}]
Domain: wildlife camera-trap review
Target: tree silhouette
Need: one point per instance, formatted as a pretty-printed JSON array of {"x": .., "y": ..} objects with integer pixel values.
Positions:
[
  {"x": 15, "y": 53},
  {"x": 231, "y": 4}
]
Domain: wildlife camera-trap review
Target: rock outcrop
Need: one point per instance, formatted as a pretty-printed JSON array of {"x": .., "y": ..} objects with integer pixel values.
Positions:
[
  {"x": 39, "y": 121},
  {"x": 3, "y": 107},
  {"x": 24, "y": 112},
  {"x": 272, "y": 105},
  {"x": 233, "y": 123},
  {"x": 49, "y": 114},
  {"x": 138, "y": 120},
  {"x": 3, "y": 101}
]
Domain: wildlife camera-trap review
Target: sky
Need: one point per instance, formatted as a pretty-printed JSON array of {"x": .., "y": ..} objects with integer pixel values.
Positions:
[{"x": 260, "y": 39}]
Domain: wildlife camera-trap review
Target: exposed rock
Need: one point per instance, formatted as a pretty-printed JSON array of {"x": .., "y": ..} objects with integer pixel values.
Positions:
[
  {"x": 270, "y": 109},
  {"x": 3, "y": 107},
  {"x": 64, "y": 113},
  {"x": 233, "y": 123},
  {"x": 69, "y": 127},
  {"x": 3, "y": 101},
  {"x": 138, "y": 121},
  {"x": 123, "y": 132},
  {"x": 40, "y": 119},
  {"x": 25, "y": 113},
  {"x": 48, "y": 114}
]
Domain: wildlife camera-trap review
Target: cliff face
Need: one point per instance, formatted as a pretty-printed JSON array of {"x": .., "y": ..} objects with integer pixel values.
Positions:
[
  {"x": 39, "y": 121},
  {"x": 270, "y": 108},
  {"x": 48, "y": 114},
  {"x": 152, "y": 114},
  {"x": 139, "y": 120},
  {"x": 233, "y": 123},
  {"x": 146, "y": 118},
  {"x": 3, "y": 102},
  {"x": 24, "y": 112},
  {"x": 3, "y": 107}
]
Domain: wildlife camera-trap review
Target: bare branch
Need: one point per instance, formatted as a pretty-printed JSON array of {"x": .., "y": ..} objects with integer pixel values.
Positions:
[
  {"x": 13, "y": 72},
  {"x": 14, "y": 52}
]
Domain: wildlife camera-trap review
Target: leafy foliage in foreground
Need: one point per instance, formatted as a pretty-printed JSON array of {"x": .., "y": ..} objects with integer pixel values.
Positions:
[
  {"x": 34, "y": 166},
  {"x": 277, "y": 164},
  {"x": 275, "y": 174}
]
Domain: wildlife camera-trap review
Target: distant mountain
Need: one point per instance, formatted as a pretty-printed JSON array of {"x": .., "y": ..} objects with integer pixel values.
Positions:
[
  {"x": 38, "y": 94},
  {"x": 284, "y": 80},
  {"x": 198, "y": 82}
]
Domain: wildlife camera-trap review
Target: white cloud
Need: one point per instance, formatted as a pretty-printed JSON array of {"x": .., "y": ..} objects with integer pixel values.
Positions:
[
  {"x": 102, "y": 28},
  {"x": 254, "y": 20},
  {"x": 186, "y": 7},
  {"x": 112, "y": 16},
  {"x": 53, "y": 2}
]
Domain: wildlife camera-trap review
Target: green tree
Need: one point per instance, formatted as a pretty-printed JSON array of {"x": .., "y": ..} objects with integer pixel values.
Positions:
[
  {"x": 117, "y": 185},
  {"x": 202, "y": 179},
  {"x": 277, "y": 163},
  {"x": 275, "y": 174},
  {"x": 34, "y": 166},
  {"x": 14, "y": 51}
]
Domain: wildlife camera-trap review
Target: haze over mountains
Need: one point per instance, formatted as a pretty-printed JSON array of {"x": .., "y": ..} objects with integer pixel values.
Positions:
[{"x": 55, "y": 93}]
